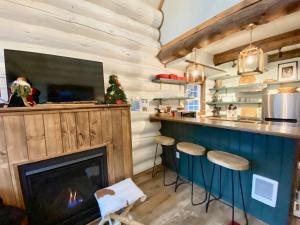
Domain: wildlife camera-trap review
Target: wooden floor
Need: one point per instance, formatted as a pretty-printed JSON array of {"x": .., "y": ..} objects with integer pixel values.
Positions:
[{"x": 165, "y": 207}]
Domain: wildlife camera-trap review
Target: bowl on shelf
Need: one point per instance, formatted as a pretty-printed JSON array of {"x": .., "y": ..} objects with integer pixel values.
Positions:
[
  {"x": 269, "y": 81},
  {"x": 287, "y": 89}
]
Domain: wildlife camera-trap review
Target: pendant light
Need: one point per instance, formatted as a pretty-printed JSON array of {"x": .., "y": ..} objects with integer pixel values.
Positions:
[
  {"x": 195, "y": 72},
  {"x": 251, "y": 59}
]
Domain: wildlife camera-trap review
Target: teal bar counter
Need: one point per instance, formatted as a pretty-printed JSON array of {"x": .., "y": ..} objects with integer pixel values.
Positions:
[{"x": 273, "y": 152}]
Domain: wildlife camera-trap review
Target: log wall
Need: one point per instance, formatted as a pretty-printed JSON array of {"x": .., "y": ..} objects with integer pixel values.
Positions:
[{"x": 123, "y": 34}]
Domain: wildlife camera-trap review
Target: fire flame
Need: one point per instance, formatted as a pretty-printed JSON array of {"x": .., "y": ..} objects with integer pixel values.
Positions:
[{"x": 73, "y": 199}]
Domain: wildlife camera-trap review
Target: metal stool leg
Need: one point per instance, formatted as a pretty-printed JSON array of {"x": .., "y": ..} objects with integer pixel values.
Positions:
[
  {"x": 165, "y": 169},
  {"x": 245, "y": 214},
  {"x": 177, "y": 173},
  {"x": 192, "y": 195},
  {"x": 154, "y": 163},
  {"x": 232, "y": 189},
  {"x": 210, "y": 187}
]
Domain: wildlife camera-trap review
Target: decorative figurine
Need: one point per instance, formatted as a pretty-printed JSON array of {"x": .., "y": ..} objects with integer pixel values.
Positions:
[{"x": 22, "y": 94}]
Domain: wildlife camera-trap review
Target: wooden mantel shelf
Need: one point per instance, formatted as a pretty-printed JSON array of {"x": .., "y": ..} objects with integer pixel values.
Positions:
[{"x": 59, "y": 107}]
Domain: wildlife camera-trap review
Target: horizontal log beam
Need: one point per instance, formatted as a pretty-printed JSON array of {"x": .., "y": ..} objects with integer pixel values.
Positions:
[
  {"x": 268, "y": 44},
  {"x": 92, "y": 10},
  {"x": 41, "y": 14},
  {"x": 134, "y": 9},
  {"x": 284, "y": 55},
  {"x": 230, "y": 21}
]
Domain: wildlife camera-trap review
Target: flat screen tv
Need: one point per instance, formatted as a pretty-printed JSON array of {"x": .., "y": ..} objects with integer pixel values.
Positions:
[{"x": 59, "y": 79}]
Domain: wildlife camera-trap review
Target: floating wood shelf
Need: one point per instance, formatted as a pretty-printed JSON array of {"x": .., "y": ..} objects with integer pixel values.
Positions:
[
  {"x": 169, "y": 81},
  {"x": 234, "y": 103},
  {"x": 174, "y": 98},
  {"x": 258, "y": 87},
  {"x": 284, "y": 82}
]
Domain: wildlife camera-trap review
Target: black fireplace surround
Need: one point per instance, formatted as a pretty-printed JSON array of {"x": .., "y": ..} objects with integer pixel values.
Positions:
[{"x": 61, "y": 190}]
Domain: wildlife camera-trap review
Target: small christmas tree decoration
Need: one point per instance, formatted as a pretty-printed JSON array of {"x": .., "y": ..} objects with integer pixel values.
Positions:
[{"x": 115, "y": 93}]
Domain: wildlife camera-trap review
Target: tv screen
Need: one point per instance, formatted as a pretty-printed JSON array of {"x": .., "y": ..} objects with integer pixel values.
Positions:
[{"x": 58, "y": 79}]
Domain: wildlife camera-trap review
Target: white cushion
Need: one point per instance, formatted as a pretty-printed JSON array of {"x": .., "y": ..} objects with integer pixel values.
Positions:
[{"x": 126, "y": 193}]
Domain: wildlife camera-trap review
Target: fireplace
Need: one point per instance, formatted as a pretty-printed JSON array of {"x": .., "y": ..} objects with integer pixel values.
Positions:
[{"x": 60, "y": 190}]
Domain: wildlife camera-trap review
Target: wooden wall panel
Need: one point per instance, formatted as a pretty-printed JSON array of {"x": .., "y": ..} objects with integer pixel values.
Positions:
[
  {"x": 95, "y": 128},
  {"x": 53, "y": 134},
  {"x": 106, "y": 125},
  {"x": 117, "y": 133},
  {"x": 127, "y": 145},
  {"x": 83, "y": 130},
  {"x": 35, "y": 134},
  {"x": 30, "y": 136},
  {"x": 16, "y": 145},
  {"x": 110, "y": 164},
  {"x": 6, "y": 189},
  {"x": 68, "y": 130}
]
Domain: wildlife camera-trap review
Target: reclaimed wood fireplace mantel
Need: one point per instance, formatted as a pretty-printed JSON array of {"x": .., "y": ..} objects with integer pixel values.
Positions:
[{"x": 47, "y": 131}]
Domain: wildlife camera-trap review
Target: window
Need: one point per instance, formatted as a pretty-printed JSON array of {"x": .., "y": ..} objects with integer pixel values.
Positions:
[{"x": 192, "y": 91}]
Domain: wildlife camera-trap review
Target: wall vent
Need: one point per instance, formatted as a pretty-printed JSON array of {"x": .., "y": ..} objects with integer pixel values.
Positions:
[{"x": 264, "y": 190}]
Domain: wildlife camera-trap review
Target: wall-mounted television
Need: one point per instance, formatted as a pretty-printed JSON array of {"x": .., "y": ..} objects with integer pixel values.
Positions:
[{"x": 59, "y": 79}]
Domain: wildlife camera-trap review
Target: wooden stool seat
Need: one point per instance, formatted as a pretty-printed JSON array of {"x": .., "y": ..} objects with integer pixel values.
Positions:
[
  {"x": 228, "y": 160},
  {"x": 191, "y": 149},
  {"x": 164, "y": 140}
]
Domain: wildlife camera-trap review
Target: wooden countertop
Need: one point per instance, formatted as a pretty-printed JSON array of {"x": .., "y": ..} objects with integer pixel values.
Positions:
[{"x": 269, "y": 129}]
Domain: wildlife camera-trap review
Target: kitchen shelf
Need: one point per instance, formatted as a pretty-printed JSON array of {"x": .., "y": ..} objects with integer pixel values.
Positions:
[
  {"x": 169, "y": 81},
  {"x": 234, "y": 103},
  {"x": 257, "y": 86},
  {"x": 174, "y": 98},
  {"x": 284, "y": 82}
]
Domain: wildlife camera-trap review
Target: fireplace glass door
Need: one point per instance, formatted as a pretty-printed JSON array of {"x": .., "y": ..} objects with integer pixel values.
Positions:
[{"x": 61, "y": 190}]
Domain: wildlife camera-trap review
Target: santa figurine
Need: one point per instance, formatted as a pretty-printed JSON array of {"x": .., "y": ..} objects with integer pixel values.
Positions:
[{"x": 22, "y": 94}]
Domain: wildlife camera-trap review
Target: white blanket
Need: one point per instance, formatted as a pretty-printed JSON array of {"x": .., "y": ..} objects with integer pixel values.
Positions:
[{"x": 126, "y": 193}]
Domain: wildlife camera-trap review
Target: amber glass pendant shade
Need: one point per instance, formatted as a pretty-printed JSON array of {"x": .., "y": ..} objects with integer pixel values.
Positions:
[{"x": 195, "y": 72}]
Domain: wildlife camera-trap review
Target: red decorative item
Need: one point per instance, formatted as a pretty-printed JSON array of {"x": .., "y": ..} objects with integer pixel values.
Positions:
[
  {"x": 164, "y": 76},
  {"x": 173, "y": 76},
  {"x": 181, "y": 78},
  {"x": 234, "y": 223},
  {"x": 119, "y": 102}
]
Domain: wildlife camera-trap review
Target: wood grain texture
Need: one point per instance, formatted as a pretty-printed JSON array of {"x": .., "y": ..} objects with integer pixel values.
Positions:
[
  {"x": 267, "y": 44},
  {"x": 226, "y": 23},
  {"x": 83, "y": 130},
  {"x": 118, "y": 148},
  {"x": 95, "y": 128},
  {"x": 68, "y": 130},
  {"x": 16, "y": 143},
  {"x": 110, "y": 164},
  {"x": 106, "y": 119},
  {"x": 53, "y": 134},
  {"x": 40, "y": 135},
  {"x": 35, "y": 135},
  {"x": 284, "y": 55},
  {"x": 6, "y": 189},
  {"x": 127, "y": 144}
]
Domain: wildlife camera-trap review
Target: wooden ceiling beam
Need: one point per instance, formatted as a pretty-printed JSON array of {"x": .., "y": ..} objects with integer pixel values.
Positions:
[
  {"x": 267, "y": 45},
  {"x": 230, "y": 21},
  {"x": 284, "y": 55}
]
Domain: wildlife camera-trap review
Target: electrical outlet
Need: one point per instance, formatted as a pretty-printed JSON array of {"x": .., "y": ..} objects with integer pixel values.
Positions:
[{"x": 177, "y": 155}]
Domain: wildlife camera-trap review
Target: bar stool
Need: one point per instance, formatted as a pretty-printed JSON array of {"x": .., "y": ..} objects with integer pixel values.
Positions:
[
  {"x": 163, "y": 141},
  {"x": 233, "y": 163},
  {"x": 192, "y": 150}
]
